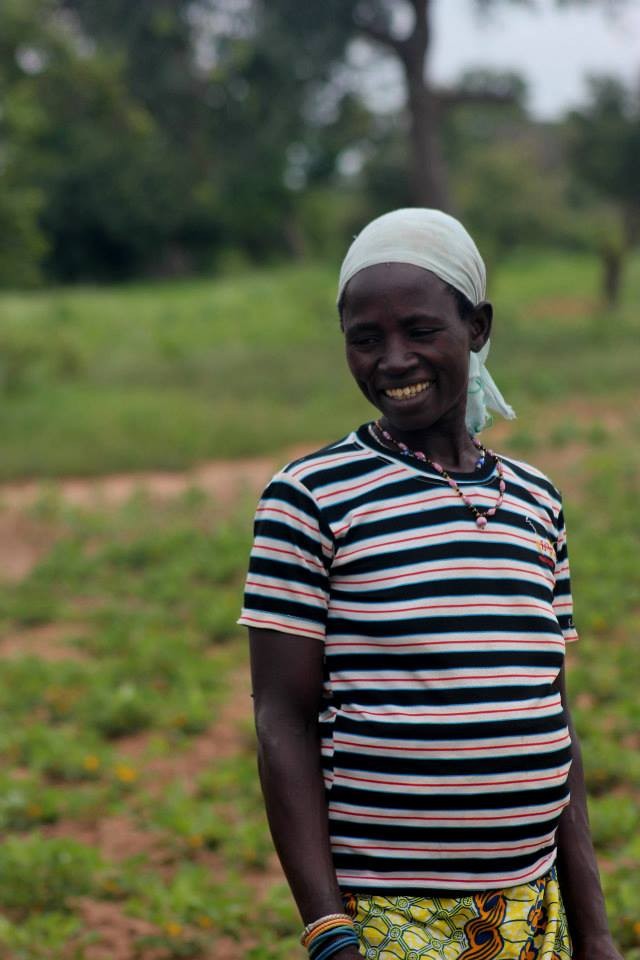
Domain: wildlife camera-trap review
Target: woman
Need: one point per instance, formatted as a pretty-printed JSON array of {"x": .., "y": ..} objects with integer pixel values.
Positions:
[{"x": 408, "y": 604}]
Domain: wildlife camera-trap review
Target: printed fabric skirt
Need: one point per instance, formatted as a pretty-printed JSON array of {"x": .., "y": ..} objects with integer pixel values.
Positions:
[{"x": 526, "y": 922}]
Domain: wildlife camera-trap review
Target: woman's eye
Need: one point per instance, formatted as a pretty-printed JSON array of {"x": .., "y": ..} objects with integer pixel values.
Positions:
[{"x": 422, "y": 332}]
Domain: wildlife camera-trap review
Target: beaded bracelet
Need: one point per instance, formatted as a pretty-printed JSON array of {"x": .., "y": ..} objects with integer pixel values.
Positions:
[
  {"x": 320, "y": 934},
  {"x": 343, "y": 918},
  {"x": 325, "y": 944}
]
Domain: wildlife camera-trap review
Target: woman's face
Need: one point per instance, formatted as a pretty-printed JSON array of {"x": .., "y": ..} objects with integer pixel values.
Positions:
[{"x": 407, "y": 346}]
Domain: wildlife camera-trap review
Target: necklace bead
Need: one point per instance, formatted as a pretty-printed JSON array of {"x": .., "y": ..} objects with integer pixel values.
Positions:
[{"x": 481, "y": 516}]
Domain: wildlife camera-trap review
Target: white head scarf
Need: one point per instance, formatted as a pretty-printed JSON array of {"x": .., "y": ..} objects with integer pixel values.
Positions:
[{"x": 437, "y": 242}]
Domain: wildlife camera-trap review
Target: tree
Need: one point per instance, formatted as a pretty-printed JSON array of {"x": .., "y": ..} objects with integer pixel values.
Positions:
[
  {"x": 148, "y": 137},
  {"x": 22, "y": 240},
  {"x": 603, "y": 149},
  {"x": 319, "y": 34}
]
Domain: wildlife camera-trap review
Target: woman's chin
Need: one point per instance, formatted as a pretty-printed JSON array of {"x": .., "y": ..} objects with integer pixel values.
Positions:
[{"x": 411, "y": 417}]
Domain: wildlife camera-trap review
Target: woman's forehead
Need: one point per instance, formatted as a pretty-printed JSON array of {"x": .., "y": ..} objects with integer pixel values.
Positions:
[{"x": 390, "y": 282}]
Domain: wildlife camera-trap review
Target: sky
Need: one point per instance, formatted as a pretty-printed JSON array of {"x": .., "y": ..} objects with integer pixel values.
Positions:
[{"x": 554, "y": 50}]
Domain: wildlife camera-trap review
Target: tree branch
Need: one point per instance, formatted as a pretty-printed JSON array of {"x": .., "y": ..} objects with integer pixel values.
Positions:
[
  {"x": 374, "y": 33},
  {"x": 422, "y": 10}
]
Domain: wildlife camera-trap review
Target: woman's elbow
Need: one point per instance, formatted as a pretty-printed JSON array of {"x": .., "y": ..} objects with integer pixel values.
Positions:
[{"x": 277, "y": 729}]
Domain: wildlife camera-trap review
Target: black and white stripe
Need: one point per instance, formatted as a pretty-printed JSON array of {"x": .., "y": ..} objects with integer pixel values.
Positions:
[{"x": 445, "y": 748}]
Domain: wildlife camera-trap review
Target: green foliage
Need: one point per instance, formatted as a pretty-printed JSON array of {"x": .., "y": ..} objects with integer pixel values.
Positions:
[
  {"x": 508, "y": 199},
  {"x": 122, "y": 709},
  {"x": 25, "y": 803},
  {"x": 603, "y": 145},
  {"x": 604, "y": 141},
  {"x": 22, "y": 243},
  {"x": 112, "y": 211},
  {"x": 41, "y": 874},
  {"x": 180, "y": 136},
  {"x": 42, "y": 936},
  {"x": 245, "y": 839},
  {"x": 93, "y": 182},
  {"x": 62, "y": 753},
  {"x": 192, "y": 822}
]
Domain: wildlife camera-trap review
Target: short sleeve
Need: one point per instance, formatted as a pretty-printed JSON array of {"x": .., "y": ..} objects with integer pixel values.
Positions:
[
  {"x": 287, "y": 586},
  {"x": 562, "y": 598}
]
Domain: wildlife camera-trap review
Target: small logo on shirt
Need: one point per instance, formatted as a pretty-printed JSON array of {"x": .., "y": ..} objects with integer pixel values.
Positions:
[{"x": 546, "y": 551}]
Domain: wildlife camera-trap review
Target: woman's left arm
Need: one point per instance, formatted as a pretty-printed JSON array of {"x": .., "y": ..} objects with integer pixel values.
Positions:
[{"x": 577, "y": 865}]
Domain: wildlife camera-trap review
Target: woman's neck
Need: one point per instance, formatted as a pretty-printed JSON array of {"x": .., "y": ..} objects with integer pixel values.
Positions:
[{"x": 452, "y": 449}]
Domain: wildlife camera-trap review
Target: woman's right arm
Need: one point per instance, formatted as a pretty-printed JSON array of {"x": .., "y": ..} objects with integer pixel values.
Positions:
[{"x": 287, "y": 672}]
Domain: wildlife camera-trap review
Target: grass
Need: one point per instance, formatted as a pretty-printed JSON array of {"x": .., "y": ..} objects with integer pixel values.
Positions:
[
  {"x": 143, "y": 596},
  {"x": 164, "y": 375}
]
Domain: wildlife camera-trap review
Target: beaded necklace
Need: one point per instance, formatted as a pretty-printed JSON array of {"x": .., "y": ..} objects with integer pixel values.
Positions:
[{"x": 481, "y": 516}]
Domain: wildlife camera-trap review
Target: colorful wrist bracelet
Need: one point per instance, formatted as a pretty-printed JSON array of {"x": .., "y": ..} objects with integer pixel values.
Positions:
[
  {"x": 322, "y": 923},
  {"x": 323, "y": 946}
]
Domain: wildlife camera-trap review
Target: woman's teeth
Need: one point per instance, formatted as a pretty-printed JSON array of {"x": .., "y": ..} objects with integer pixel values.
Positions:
[{"x": 404, "y": 393}]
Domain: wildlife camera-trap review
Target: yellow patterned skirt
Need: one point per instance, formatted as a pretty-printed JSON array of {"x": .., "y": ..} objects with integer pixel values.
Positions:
[{"x": 526, "y": 922}]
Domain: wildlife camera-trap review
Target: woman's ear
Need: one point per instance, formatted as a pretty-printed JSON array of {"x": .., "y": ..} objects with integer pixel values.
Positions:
[{"x": 480, "y": 325}]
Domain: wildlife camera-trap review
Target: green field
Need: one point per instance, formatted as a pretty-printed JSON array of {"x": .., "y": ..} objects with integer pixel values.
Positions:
[
  {"x": 135, "y": 377},
  {"x": 129, "y": 803}
]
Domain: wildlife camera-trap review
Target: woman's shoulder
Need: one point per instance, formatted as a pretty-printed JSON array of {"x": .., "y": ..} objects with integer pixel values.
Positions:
[
  {"x": 330, "y": 467},
  {"x": 529, "y": 475},
  {"x": 328, "y": 464}
]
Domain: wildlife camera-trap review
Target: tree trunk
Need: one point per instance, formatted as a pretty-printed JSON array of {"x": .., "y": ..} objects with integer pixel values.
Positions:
[
  {"x": 427, "y": 172},
  {"x": 428, "y": 181},
  {"x": 612, "y": 266}
]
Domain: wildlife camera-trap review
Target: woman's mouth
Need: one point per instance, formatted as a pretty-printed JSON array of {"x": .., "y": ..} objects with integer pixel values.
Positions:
[{"x": 408, "y": 392}]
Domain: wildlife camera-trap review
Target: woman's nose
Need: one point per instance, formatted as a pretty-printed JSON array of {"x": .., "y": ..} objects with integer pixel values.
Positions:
[{"x": 398, "y": 357}]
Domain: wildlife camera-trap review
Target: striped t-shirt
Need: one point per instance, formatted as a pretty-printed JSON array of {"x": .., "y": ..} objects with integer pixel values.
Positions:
[{"x": 444, "y": 743}]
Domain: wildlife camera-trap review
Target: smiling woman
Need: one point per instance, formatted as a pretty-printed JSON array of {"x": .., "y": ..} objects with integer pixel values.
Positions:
[
  {"x": 408, "y": 603},
  {"x": 408, "y": 349}
]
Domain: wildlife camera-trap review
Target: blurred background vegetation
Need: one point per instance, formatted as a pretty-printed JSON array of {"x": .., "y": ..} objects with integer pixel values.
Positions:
[{"x": 176, "y": 137}]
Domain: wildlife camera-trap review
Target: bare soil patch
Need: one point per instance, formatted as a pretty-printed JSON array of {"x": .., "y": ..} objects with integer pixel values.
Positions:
[
  {"x": 564, "y": 308},
  {"x": 224, "y": 480},
  {"x": 116, "y": 933},
  {"x": 50, "y": 642},
  {"x": 23, "y": 542},
  {"x": 117, "y": 837}
]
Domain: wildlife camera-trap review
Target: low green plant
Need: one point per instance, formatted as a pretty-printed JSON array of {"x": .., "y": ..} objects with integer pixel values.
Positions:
[
  {"x": 193, "y": 822},
  {"x": 194, "y": 898},
  {"x": 123, "y": 709},
  {"x": 565, "y": 432},
  {"x": 615, "y": 819},
  {"x": 26, "y": 802},
  {"x": 42, "y": 936},
  {"x": 41, "y": 874},
  {"x": 63, "y": 753},
  {"x": 232, "y": 785}
]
